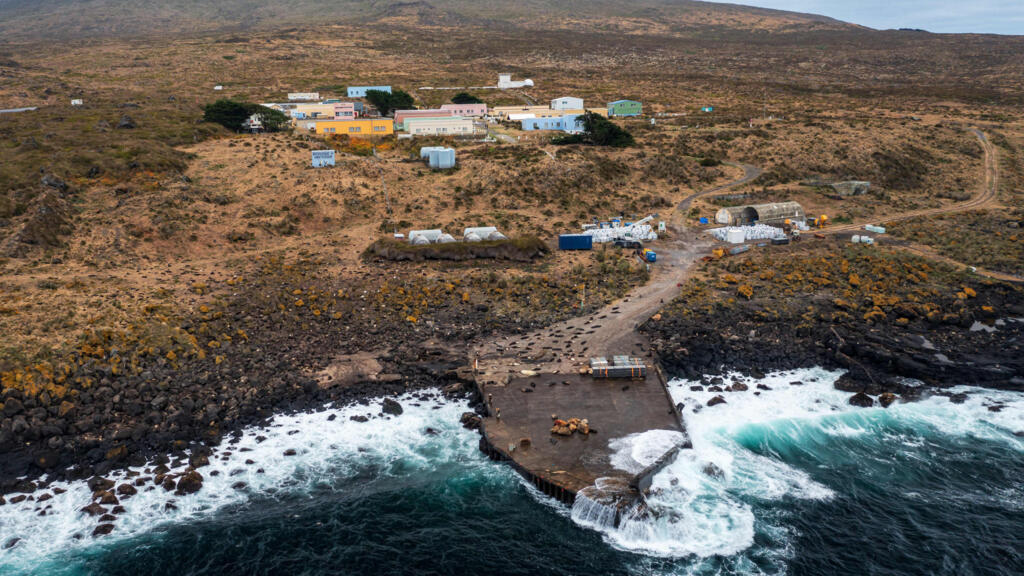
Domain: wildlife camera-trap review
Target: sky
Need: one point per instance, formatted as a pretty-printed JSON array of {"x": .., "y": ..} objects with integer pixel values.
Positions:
[{"x": 983, "y": 16}]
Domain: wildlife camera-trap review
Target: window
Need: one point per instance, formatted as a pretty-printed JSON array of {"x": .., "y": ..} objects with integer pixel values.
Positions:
[
  {"x": 379, "y": 128},
  {"x": 355, "y": 129}
]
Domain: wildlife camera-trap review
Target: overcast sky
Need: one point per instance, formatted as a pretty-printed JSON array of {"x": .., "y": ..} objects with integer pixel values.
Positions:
[{"x": 991, "y": 16}]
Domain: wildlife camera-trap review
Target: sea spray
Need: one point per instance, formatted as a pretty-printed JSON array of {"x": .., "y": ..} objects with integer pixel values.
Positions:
[
  {"x": 703, "y": 503},
  {"x": 327, "y": 446}
]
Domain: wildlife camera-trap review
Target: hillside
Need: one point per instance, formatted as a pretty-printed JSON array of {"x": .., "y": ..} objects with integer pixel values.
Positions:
[{"x": 27, "y": 20}]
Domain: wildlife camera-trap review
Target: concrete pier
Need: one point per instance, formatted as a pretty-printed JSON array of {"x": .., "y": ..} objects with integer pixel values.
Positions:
[{"x": 561, "y": 466}]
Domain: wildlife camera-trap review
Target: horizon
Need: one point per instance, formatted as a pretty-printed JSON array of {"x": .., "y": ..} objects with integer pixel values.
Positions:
[{"x": 939, "y": 16}]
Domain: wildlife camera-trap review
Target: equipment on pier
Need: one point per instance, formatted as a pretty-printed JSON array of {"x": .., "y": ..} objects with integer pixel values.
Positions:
[{"x": 621, "y": 366}]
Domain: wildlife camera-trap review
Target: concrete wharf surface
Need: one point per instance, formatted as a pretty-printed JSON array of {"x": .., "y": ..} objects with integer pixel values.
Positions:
[
  {"x": 614, "y": 408},
  {"x": 561, "y": 466}
]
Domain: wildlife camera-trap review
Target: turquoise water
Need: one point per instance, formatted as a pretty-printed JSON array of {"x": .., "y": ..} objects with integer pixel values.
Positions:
[{"x": 802, "y": 484}]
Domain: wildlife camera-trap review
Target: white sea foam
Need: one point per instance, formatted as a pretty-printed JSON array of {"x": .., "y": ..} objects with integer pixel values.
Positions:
[
  {"x": 701, "y": 502},
  {"x": 635, "y": 452},
  {"x": 327, "y": 449}
]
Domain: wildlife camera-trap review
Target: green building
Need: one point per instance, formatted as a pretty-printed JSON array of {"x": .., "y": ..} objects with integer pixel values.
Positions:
[{"x": 625, "y": 108}]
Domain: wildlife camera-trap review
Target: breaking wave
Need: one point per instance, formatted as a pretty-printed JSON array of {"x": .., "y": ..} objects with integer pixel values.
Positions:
[
  {"x": 726, "y": 504},
  {"x": 329, "y": 449}
]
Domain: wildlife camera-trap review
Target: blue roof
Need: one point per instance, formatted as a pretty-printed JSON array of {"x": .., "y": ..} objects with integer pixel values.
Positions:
[{"x": 621, "y": 101}]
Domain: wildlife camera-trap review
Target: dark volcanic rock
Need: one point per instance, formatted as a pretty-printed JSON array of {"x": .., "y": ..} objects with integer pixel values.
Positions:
[
  {"x": 470, "y": 421},
  {"x": 861, "y": 399},
  {"x": 126, "y": 122},
  {"x": 103, "y": 529},
  {"x": 391, "y": 407},
  {"x": 189, "y": 483},
  {"x": 886, "y": 398},
  {"x": 716, "y": 401},
  {"x": 94, "y": 509}
]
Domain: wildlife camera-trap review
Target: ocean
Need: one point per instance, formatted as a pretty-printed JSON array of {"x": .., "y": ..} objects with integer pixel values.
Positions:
[{"x": 793, "y": 480}]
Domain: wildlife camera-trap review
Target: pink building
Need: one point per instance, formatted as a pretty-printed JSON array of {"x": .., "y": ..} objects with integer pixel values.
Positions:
[
  {"x": 401, "y": 115},
  {"x": 345, "y": 111},
  {"x": 467, "y": 110}
]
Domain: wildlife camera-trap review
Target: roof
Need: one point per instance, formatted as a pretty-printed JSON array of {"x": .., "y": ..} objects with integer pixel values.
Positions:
[{"x": 623, "y": 101}]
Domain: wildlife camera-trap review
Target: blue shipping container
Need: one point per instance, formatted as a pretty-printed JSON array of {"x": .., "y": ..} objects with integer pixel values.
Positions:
[
  {"x": 575, "y": 242},
  {"x": 704, "y": 220}
]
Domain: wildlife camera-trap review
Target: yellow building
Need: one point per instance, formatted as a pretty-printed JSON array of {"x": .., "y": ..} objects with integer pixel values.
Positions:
[{"x": 360, "y": 127}]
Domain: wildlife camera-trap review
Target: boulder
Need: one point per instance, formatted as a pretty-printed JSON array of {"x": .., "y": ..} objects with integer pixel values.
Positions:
[
  {"x": 103, "y": 529},
  {"x": 391, "y": 407},
  {"x": 97, "y": 483},
  {"x": 886, "y": 399},
  {"x": 126, "y": 122},
  {"x": 108, "y": 498},
  {"x": 94, "y": 509},
  {"x": 861, "y": 399},
  {"x": 712, "y": 470},
  {"x": 198, "y": 460},
  {"x": 716, "y": 401},
  {"x": 740, "y": 387},
  {"x": 470, "y": 421},
  {"x": 189, "y": 483},
  {"x": 127, "y": 490}
]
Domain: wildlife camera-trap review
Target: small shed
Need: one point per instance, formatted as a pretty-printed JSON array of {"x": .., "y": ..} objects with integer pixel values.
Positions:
[{"x": 776, "y": 213}]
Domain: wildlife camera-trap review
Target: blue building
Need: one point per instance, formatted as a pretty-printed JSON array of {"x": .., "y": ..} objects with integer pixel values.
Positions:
[
  {"x": 566, "y": 123},
  {"x": 360, "y": 91}
]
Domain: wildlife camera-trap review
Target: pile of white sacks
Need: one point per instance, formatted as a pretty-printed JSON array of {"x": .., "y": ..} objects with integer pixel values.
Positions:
[
  {"x": 642, "y": 232},
  {"x": 753, "y": 232}
]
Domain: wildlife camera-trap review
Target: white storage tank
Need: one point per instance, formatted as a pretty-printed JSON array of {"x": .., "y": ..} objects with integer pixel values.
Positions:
[
  {"x": 426, "y": 150},
  {"x": 442, "y": 158}
]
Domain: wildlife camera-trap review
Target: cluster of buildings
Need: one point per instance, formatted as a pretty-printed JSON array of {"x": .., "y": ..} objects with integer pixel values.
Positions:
[
  {"x": 562, "y": 114},
  {"x": 354, "y": 118}
]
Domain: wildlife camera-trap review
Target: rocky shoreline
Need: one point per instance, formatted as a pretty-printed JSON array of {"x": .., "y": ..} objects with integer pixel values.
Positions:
[
  {"x": 886, "y": 356},
  {"x": 173, "y": 411}
]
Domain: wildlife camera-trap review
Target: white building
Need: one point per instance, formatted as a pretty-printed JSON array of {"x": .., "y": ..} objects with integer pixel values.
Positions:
[
  {"x": 505, "y": 82},
  {"x": 450, "y": 126},
  {"x": 567, "y": 103}
]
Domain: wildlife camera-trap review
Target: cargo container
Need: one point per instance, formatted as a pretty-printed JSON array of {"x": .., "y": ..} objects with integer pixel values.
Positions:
[
  {"x": 738, "y": 250},
  {"x": 780, "y": 241},
  {"x": 575, "y": 242},
  {"x": 622, "y": 366}
]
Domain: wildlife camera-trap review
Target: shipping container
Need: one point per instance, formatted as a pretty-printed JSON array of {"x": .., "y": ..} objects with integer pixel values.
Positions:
[
  {"x": 738, "y": 250},
  {"x": 780, "y": 241},
  {"x": 575, "y": 242}
]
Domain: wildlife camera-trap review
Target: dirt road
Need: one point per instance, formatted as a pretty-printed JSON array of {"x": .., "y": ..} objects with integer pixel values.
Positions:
[
  {"x": 985, "y": 198},
  {"x": 611, "y": 330}
]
